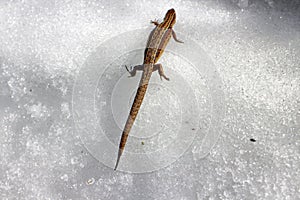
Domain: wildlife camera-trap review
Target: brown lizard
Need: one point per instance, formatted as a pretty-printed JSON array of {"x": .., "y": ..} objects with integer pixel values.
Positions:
[{"x": 157, "y": 42}]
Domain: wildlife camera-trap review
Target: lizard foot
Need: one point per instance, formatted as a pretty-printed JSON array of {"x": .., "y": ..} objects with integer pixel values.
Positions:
[
  {"x": 155, "y": 22},
  {"x": 130, "y": 71}
]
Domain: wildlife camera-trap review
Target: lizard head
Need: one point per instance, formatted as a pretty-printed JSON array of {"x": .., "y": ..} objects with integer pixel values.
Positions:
[{"x": 170, "y": 18}]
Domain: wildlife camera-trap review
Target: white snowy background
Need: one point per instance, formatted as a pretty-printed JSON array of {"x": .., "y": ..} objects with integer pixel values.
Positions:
[{"x": 255, "y": 46}]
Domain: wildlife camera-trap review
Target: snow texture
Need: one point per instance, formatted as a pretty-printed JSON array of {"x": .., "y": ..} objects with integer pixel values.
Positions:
[{"x": 255, "y": 47}]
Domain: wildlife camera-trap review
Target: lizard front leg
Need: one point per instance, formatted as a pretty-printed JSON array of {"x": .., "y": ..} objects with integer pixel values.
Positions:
[
  {"x": 133, "y": 70},
  {"x": 155, "y": 22},
  {"x": 175, "y": 37},
  {"x": 160, "y": 71}
]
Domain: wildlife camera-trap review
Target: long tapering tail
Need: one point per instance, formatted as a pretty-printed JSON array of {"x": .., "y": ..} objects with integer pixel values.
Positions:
[
  {"x": 134, "y": 111},
  {"x": 118, "y": 159}
]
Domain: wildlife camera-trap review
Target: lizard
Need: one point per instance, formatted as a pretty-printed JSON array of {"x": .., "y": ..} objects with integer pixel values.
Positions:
[{"x": 157, "y": 42}]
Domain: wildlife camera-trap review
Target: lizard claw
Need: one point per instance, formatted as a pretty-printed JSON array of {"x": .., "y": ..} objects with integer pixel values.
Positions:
[
  {"x": 128, "y": 69},
  {"x": 164, "y": 78},
  {"x": 155, "y": 22}
]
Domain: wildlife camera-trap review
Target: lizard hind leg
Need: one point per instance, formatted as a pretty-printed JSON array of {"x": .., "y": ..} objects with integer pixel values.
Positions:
[
  {"x": 160, "y": 71},
  {"x": 132, "y": 70}
]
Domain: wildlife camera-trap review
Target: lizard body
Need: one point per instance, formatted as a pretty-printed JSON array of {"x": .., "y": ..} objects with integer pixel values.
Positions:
[{"x": 157, "y": 41}]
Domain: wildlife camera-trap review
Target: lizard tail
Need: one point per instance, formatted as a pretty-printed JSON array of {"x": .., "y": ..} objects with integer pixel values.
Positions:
[
  {"x": 133, "y": 113},
  {"x": 118, "y": 159}
]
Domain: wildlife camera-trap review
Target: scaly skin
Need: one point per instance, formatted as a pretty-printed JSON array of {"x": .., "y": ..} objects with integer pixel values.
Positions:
[{"x": 156, "y": 44}]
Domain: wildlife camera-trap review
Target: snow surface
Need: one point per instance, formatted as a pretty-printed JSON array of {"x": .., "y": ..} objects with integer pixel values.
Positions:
[{"x": 255, "y": 48}]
